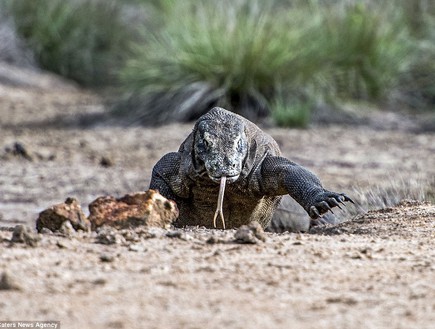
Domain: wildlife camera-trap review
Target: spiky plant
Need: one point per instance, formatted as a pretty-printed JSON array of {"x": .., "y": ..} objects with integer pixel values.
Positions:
[
  {"x": 84, "y": 40},
  {"x": 232, "y": 54}
]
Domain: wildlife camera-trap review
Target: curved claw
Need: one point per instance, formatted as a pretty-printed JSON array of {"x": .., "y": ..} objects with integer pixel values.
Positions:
[
  {"x": 314, "y": 211},
  {"x": 346, "y": 198},
  {"x": 325, "y": 205},
  {"x": 326, "y": 202},
  {"x": 334, "y": 203}
]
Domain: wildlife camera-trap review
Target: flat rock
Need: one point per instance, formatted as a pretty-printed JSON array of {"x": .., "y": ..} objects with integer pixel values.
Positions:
[
  {"x": 54, "y": 217},
  {"x": 143, "y": 208}
]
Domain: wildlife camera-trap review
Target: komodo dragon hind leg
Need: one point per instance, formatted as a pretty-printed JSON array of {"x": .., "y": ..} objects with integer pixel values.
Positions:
[{"x": 219, "y": 211}]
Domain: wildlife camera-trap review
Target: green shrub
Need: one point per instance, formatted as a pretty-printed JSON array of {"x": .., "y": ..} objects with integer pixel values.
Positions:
[
  {"x": 242, "y": 55},
  {"x": 419, "y": 16},
  {"x": 84, "y": 40},
  {"x": 249, "y": 56},
  {"x": 232, "y": 54},
  {"x": 417, "y": 84},
  {"x": 293, "y": 112},
  {"x": 367, "y": 47}
]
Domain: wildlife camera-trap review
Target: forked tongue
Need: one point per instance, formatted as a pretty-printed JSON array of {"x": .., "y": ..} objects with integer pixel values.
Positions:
[{"x": 219, "y": 211}]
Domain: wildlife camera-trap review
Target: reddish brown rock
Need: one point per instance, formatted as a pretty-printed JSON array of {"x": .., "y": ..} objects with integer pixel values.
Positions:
[
  {"x": 143, "y": 208},
  {"x": 54, "y": 217}
]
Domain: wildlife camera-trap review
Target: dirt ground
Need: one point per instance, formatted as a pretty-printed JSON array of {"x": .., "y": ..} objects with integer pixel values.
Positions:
[{"x": 375, "y": 270}]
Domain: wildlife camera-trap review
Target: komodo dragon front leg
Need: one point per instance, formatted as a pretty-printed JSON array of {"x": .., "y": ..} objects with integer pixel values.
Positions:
[
  {"x": 279, "y": 176},
  {"x": 166, "y": 178}
]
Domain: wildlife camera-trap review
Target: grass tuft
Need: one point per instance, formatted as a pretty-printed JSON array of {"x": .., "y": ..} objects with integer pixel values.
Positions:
[
  {"x": 230, "y": 54},
  {"x": 367, "y": 48},
  {"x": 388, "y": 195},
  {"x": 291, "y": 113},
  {"x": 249, "y": 56},
  {"x": 242, "y": 55},
  {"x": 83, "y": 40}
]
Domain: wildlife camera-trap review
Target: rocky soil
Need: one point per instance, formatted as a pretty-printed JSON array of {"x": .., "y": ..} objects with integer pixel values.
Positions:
[{"x": 375, "y": 270}]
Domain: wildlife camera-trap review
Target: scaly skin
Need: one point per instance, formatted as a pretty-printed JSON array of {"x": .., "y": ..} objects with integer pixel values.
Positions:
[{"x": 225, "y": 144}]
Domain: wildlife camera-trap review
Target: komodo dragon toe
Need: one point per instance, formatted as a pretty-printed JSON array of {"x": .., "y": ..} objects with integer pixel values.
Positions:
[{"x": 326, "y": 201}]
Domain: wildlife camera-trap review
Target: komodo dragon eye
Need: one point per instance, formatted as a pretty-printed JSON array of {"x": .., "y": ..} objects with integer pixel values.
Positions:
[{"x": 207, "y": 140}]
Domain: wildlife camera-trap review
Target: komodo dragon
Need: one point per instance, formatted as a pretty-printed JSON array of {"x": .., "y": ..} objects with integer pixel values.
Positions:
[{"x": 226, "y": 148}]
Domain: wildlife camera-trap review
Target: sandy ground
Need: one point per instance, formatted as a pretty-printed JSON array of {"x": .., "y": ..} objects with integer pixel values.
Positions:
[{"x": 375, "y": 270}]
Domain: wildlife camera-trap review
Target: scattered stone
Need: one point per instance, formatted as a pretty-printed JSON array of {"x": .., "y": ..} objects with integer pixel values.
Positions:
[
  {"x": 107, "y": 258},
  {"x": 106, "y": 162},
  {"x": 46, "y": 231},
  {"x": 143, "y": 208},
  {"x": 24, "y": 234},
  {"x": 54, "y": 217},
  {"x": 138, "y": 247},
  {"x": 7, "y": 282},
  {"x": 45, "y": 155},
  {"x": 342, "y": 300},
  {"x": 174, "y": 234},
  {"x": 178, "y": 234},
  {"x": 108, "y": 235},
  {"x": 214, "y": 240},
  {"x": 20, "y": 150},
  {"x": 368, "y": 252},
  {"x": 99, "y": 281},
  {"x": 62, "y": 244},
  {"x": 150, "y": 232},
  {"x": 252, "y": 234},
  {"x": 130, "y": 235}
]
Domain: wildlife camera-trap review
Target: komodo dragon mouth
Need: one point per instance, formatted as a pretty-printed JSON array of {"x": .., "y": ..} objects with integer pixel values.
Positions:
[{"x": 219, "y": 212}]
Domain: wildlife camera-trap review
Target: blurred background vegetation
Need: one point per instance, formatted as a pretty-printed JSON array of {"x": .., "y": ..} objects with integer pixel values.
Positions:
[{"x": 173, "y": 60}]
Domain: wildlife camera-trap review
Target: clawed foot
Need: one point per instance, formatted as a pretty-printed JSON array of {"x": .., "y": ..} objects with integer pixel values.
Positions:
[{"x": 328, "y": 200}]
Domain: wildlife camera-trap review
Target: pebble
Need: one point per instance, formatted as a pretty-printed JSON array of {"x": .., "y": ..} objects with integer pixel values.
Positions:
[
  {"x": 7, "y": 282},
  {"x": 24, "y": 234},
  {"x": 250, "y": 234},
  {"x": 138, "y": 247},
  {"x": 107, "y": 258}
]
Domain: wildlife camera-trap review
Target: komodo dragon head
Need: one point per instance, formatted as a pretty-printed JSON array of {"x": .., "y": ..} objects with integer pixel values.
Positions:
[
  {"x": 220, "y": 148},
  {"x": 220, "y": 145}
]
